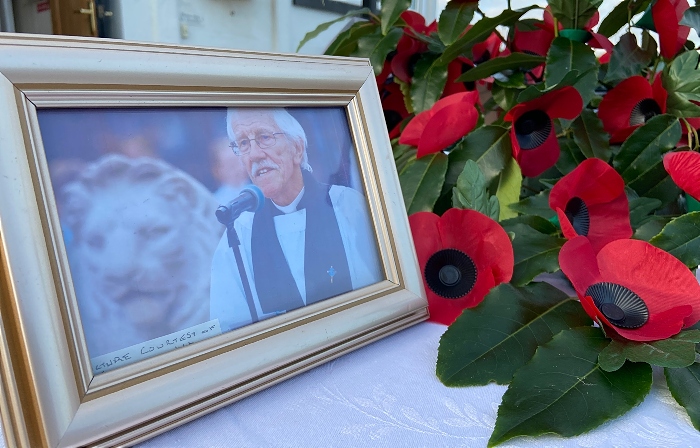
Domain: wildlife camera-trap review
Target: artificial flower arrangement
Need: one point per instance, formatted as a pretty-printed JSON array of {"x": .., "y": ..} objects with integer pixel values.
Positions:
[{"x": 532, "y": 153}]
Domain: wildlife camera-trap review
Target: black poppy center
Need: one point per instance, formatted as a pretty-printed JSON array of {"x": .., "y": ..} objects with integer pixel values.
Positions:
[
  {"x": 620, "y": 305},
  {"x": 577, "y": 213},
  {"x": 450, "y": 273},
  {"x": 469, "y": 85},
  {"x": 532, "y": 129},
  {"x": 392, "y": 118},
  {"x": 643, "y": 111}
]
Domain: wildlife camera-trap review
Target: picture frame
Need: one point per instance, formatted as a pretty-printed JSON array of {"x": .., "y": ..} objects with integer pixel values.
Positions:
[{"x": 52, "y": 394}]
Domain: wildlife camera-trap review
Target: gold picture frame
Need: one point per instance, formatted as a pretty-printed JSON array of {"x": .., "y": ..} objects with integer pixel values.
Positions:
[{"x": 51, "y": 395}]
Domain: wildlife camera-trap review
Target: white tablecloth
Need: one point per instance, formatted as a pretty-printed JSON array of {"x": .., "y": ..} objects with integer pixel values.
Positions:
[{"x": 387, "y": 395}]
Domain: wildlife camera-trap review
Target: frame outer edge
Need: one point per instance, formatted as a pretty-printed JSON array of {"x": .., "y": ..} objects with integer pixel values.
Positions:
[
  {"x": 391, "y": 189},
  {"x": 44, "y": 377},
  {"x": 102, "y": 65}
]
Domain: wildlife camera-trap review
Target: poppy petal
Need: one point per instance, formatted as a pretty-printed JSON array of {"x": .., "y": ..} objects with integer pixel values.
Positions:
[
  {"x": 593, "y": 180},
  {"x": 609, "y": 222},
  {"x": 566, "y": 228},
  {"x": 684, "y": 169},
  {"x": 414, "y": 129},
  {"x": 533, "y": 42},
  {"x": 446, "y": 126},
  {"x": 660, "y": 325},
  {"x": 660, "y": 94},
  {"x": 426, "y": 238},
  {"x": 578, "y": 262},
  {"x": 561, "y": 103},
  {"x": 672, "y": 35},
  {"x": 536, "y": 161}
]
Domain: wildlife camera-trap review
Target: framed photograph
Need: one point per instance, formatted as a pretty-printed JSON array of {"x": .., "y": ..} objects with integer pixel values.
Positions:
[{"x": 183, "y": 227}]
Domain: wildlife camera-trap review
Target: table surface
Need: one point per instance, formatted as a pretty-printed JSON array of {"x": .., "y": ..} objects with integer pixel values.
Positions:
[{"x": 387, "y": 395}]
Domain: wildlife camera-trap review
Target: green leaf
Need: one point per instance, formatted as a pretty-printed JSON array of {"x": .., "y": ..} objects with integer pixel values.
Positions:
[
  {"x": 590, "y": 137},
  {"x": 429, "y": 80},
  {"x": 640, "y": 208},
  {"x": 479, "y": 32},
  {"x": 508, "y": 192},
  {"x": 534, "y": 253},
  {"x": 421, "y": 182},
  {"x": 651, "y": 228},
  {"x": 691, "y": 18},
  {"x": 681, "y": 238},
  {"x": 324, "y": 26},
  {"x": 642, "y": 150},
  {"x": 513, "y": 61},
  {"x": 657, "y": 184},
  {"x": 390, "y": 12},
  {"x": 566, "y": 55},
  {"x": 563, "y": 390},
  {"x": 537, "y": 91},
  {"x": 382, "y": 48},
  {"x": 537, "y": 205},
  {"x": 488, "y": 146},
  {"x": 346, "y": 42},
  {"x": 619, "y": 15},
  {"x": 682, "y": 82},
  {"x": 574, "y": 13},
  {"x": 536, "y": 222},
  {"x": 570, "y": 156},
  {"x": 684, "y": 385},
  {"x": 505, "y": 97},
  {"x": 509, "y": 325},
  {"x": 454, "y": 20},
  {"x": 628, "y": 59},
  {"x": 470, "y": 192},
  {"x": 677, "y": 351}
]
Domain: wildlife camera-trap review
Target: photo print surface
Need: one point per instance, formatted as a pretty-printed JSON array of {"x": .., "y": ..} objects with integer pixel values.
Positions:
[{"x": 183, "y": 223}]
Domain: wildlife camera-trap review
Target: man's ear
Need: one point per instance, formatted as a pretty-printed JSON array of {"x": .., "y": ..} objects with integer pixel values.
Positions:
[{"x": 298, "y": 151}]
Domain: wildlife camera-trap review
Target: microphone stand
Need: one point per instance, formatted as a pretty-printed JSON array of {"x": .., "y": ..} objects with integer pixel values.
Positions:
[{"x": 233, "y": 243}]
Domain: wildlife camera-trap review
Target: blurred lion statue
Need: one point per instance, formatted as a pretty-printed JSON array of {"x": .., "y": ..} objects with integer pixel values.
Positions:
[{"x": 142, "y": 237}]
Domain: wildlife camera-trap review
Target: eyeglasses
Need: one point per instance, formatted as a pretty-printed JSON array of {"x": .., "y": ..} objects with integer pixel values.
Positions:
[{"x": 264, "y": 140}]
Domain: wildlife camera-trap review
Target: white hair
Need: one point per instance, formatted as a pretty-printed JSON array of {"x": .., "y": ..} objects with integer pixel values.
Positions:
[{"x": 284, "y": 120}]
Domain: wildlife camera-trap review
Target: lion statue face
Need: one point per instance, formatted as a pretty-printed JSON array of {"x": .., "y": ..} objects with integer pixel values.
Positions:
[{"x": 143, "y": 236}]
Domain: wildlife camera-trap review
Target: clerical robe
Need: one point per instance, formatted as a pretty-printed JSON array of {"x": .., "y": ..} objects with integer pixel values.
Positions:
[{"x": 228, "y": 302}]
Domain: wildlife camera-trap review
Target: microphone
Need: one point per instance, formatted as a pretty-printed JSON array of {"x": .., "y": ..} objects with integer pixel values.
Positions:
[{"x": 250, "y": 199}]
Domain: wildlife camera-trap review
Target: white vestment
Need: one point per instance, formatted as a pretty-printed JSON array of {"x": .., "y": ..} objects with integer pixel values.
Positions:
[{"x": 228, "y": 303}]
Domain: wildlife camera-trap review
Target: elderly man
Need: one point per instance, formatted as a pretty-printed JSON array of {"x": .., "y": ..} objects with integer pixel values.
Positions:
[{"x": 308, "y": 242}]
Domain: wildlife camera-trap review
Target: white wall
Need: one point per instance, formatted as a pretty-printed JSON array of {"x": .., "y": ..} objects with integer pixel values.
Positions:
[
  {"x": 31, "y": 16},
  {"x": 264, "y": 25}
]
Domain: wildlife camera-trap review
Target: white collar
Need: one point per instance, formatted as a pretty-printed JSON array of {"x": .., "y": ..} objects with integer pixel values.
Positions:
[{"x": 291, "y": 208}]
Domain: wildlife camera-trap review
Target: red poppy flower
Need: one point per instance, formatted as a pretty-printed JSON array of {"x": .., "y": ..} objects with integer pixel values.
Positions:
[
  {"x": 455, "y": 69},
  {"x": 536, "y": 42},
  {"x": 532, "y": 135},
  {"x": 667, "y": 15},
  {"x": 630, "y": 104},
  {"x": 394, "y": 108},
  {"x": 684, "y": 168},
  {"x": 590, "y": 201},
  {"x": 488, "y": 49},
  {"x": 450, "y": 119},
  {"x": 633, "y": 289},
  {"x": 462, "y": 255},
  {"x": 409, "y": 49}
]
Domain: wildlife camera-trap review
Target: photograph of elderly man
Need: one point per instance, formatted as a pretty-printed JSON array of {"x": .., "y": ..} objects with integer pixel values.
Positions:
[{"x": 303, "y": 241}]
